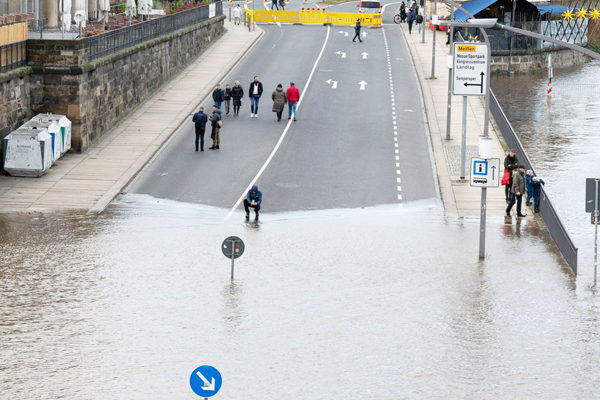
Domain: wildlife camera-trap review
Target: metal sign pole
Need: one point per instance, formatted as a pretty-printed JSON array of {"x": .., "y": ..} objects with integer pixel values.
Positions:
[
  {"x": 449, "y": 109},
  {"x": 596, "y": 212},
  {"x": 482, "y": 224},
  {"x": 434, "y": 35},
  {"x": 232, "y": 257},
  {"x": 463, "y": 147},
  {"x": 424, "y": 23}
]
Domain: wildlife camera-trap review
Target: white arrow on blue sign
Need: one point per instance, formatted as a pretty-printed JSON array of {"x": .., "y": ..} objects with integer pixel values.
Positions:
[{"x": 206, "y": 381}]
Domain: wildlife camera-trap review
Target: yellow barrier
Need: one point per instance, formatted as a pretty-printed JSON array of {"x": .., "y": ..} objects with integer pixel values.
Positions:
[{"x": 314, "y": 17}]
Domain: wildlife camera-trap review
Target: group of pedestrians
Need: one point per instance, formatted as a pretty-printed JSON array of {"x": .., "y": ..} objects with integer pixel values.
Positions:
[
  {"x": 281, "y": 4},
  {"x": 517, "y": 182},
  {"x": 413, "y": 15}
]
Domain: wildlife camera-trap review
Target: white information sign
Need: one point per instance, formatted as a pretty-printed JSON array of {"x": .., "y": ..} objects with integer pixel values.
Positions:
[
  {"x": 485, "y": 173},
  {"x": 470, "y": 66}
]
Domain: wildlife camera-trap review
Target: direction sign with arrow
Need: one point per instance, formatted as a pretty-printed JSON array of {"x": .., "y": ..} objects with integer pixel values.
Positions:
[
  {"x": 363, "y": 85},
  {"x": 469, "y": 67},
  {"x": 334, "y": 83},
  {"x": 206, "y": 381},
  {"x": 342, "y": 53},
  {"x": 485, "y": 172},
  {"x": 365, "y": 54}
]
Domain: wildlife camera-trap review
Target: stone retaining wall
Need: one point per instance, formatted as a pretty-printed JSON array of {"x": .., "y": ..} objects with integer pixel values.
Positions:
[
  {"x": 528, "y": 63},
  {"x": 97, "y": 95},
  {"x": 15, "y": 107}
]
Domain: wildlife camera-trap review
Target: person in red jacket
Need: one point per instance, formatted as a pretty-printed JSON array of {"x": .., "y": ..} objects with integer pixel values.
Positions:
[{"x": 293, "y": 95}]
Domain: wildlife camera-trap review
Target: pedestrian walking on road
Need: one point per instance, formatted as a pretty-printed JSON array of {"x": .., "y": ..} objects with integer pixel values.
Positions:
[
  {"x": 274, "y": 4},
  {"x": 510, "y": 164},
  {"x": 227, "y": 99},
  {"x": 216, "y": 124},
  {"x": 237, "y": 15},
  {"x": 218, "y": 96},
  {"x": 419, "y": 21},
  {"x": 255, "y": 91},
  {"x": 200, "y": 119},
  {"x": 279, "y": 101},
  {"x": 293, "y": 96},
  {"x": 237, "y": 94},
  {"x": 357, "y": 27},
  {"x": 528, "y": 179},
  {"x": 536, "y": 185},
  {"x": 282, "y": 5},
  {"x": 517, "y": 191},
  {"x": 253, "y": 199},
  {"x": 410, "y": 18}
]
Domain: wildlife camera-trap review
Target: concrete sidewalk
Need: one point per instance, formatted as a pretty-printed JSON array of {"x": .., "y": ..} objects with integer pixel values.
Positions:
[
  {"x": 459, "y": 197},
  {"x": 89, "y": 181}
]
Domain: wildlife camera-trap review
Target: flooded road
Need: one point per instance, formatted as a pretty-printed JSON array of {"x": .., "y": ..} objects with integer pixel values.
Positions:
[
  {"x": 380, "y": 303},
  {"x": 562, "y": 138}
]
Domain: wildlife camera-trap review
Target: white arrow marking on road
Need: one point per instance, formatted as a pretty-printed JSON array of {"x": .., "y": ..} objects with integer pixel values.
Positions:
[
  {"x": 364, "y": 34},
  {"x": 362, "y": 85},
  {"x": 342, "y": 53},
  {"x": 208, "y": 386},
  {"x": 365, "y": 54},
  {"x": 344, "y": 33},
  {"x": 334, "y": 86}
]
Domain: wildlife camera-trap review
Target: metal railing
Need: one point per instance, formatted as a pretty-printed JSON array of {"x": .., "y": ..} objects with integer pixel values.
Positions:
[
  {"x": 555, "y": 227},
  {"x": 13, "y": 56},
  {"x": 110, "y": 42}
]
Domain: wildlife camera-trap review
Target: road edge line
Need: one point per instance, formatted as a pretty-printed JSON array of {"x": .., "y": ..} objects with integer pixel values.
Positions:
[{"x": 262, "y": 169}]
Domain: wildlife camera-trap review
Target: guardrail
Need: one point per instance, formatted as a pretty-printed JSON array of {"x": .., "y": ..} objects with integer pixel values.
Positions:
[
  {"x": 110, "y": 42},
  {"x": 13, "y": 56},
  {"x": 555, "y": 227},
  {"x": 320, "y": 17}
]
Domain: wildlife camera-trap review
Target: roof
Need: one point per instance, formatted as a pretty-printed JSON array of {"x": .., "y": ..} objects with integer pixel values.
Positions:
[
  {"x": 552, "y": 8},
  {"x": 473, "y": 7}
]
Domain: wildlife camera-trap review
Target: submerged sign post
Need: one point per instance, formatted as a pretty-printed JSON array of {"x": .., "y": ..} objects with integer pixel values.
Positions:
[
  {"x": 469, "y": 69},
  {"x": 592, "y": 205},
  {"x": 233, "y": 247}
]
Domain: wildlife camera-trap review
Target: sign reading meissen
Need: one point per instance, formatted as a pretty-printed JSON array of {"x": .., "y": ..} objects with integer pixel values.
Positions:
[{"x": 469, "y": 69}]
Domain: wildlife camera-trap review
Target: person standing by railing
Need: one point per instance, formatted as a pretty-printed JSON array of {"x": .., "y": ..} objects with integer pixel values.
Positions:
[
  {"x": 510, "y": 164},
  {"x": 517, "y": 191}
]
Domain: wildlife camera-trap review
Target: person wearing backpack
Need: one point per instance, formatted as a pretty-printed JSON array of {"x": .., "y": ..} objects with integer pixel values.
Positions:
[
  {"x": 216, "y": 124},
  {"x": 200, "y": 119}
]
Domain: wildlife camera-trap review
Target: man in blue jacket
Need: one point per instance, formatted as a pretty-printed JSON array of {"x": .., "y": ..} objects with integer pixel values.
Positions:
[
  {"x": 199, "y": 121},
  {"x": 253, "y": 199}
]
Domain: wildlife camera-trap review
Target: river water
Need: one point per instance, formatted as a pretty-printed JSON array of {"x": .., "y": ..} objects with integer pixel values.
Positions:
[
  {"x": 561, "y": 135},
  {"x": 380, "y": 303}
]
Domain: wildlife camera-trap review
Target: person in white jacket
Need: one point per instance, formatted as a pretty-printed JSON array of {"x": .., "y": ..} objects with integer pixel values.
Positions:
[{"x": 237, "y": 15}]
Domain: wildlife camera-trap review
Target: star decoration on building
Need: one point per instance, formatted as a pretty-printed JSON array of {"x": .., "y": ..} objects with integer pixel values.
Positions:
[
  {"x": 582, "y": 13},
  {"x": 472, "y": 39},
  {"x": 568, "y": 15},
  {"x": 595, "y": 14}
]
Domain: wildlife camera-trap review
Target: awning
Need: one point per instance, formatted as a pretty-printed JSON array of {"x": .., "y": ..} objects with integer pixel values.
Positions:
[
  {"x": 552, "y": 8},
  {"x": 473, "y": 7}
]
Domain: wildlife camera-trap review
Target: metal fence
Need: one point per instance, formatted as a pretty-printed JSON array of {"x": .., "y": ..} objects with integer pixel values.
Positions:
[
  {"x": 110, "y": 42},
  {"x": 13, "y": 56},
  {"x": 555, "y": 227}
]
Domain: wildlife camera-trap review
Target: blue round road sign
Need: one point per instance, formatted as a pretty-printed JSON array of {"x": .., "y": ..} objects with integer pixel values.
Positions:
[{"x": 206, "y": 381}]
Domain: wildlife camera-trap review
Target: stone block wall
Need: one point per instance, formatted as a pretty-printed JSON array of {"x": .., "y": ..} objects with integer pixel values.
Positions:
[
  {"x": 15, "y": 105},
  {"x": 97, "y": 95},
  {"x": 527, "y": 63}
]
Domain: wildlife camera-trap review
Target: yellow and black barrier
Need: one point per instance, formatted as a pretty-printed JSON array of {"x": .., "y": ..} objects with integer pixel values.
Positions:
[{"x": 311, "y": 16}]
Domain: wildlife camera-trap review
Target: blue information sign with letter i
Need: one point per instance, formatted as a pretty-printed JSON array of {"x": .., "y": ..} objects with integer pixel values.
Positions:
[
  {"x": 206, "y": 381},
  {"x": 485, "y": 172}
]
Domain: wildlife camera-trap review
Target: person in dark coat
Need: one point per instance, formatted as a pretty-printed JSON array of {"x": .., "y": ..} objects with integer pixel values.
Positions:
[
  {"x": 216, "y": 129},
  {"x": 357, "y": 27},
  {"x": 227, "y": 99},
  {"x": 237, "y": 93},
  {"x": 402, "y": 12},
  {"x": 410, "y": 18},
  {"x": 536, "y": 187},
  {"x": 510, "y": 163},
  {"x": 218, "y": 96},
  {"x": 282, "y": 5},
  {"x": 200, "y": 119},
  {"x": 279, "y": 101},
  {"x": 253, "y": 199},
  {"x": 517, "y": 190},
  {"x": 254, "y": 92}
]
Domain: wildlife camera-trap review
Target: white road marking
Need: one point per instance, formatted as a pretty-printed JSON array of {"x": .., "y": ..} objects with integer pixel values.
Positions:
[
  {"x": 342, "y": 53},
  {"x": 285, "y": 131},
  {"x": 334, "y": 86}
]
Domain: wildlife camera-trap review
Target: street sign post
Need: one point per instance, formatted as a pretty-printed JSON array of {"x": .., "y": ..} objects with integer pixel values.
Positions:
[
  {"x": 470, "y": 69},
  {"x": 206, "y": 381},
  {"x": 485, "y": 173},
  {"x": 233, "y": 247},
  {"x": 592, "y": 200}
]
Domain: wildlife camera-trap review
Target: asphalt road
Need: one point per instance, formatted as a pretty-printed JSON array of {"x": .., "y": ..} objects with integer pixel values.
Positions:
[{"x": 349, "y": 148}]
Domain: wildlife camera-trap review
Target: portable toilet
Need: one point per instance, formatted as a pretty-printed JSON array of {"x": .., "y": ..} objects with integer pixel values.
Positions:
[
  {"x": 65, "y": 128},
  {"x": 28, "y": 152},
  {"x": 54, "y": 131}
]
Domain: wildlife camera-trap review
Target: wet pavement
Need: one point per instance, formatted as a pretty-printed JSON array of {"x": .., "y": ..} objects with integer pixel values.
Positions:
[
  {"x": 381, "y": 303},
  {"x": 562, "y": 138}
]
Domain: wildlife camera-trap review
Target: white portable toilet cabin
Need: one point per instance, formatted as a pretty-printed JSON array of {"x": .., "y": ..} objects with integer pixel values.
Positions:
[
  {"x": 54, "y": 131},
  {"x": 65, "y": 128},
  {"x": 28, "y": 152}
]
